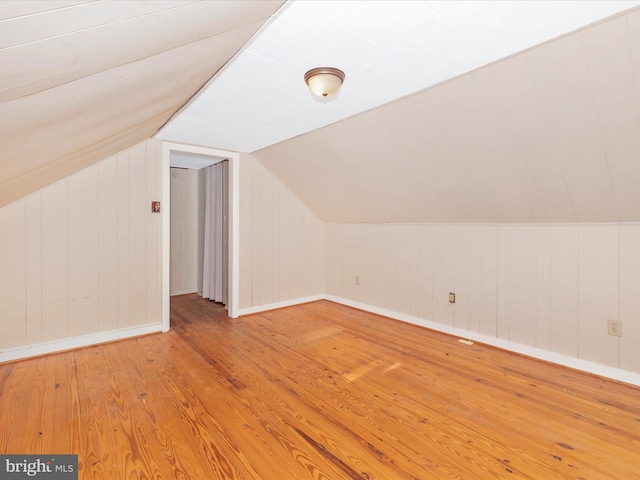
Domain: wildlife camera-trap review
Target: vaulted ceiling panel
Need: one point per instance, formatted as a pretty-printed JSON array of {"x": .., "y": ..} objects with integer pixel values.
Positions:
[
  {"x": 548, "y": 135},
  {"x": 456, "y": 102},
  {"x": 477, "y": 128},
  {"x": 529, "y": 146},
  {"x": 497, "y": 97},
  {"x": 67, "y": 56},
  {"x": 87, "y": 80},
  {"x": 562, "y": 73},
  {"x": 52, "y": 21},
  {"x": 610, "y": 48},
  {"x": 21, "y": 8},
  {"x": 97, "y": 103}
]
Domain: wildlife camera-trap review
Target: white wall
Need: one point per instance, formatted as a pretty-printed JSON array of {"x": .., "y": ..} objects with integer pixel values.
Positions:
[
  {"x": 83, "y": 256},
  {"x": 551, "y": 287},
  {"x": 281, "y": 241},
  {"x": 81, "y": 263},
  {"x": 185, "y": 228}
]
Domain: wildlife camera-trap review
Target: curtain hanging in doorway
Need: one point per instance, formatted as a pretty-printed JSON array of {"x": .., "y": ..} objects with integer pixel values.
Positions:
[{"x": 214, "y": 281}]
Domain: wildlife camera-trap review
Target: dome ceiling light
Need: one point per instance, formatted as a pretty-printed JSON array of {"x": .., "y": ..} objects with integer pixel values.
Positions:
[{"x": 324, "y": 81}]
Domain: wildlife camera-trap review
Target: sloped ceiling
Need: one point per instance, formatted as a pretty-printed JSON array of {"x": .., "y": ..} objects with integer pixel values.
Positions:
[
  {"x": 548, "y": 135},
  {"x": 388, "y": 48},
  {"x": 82, "y": 80}
]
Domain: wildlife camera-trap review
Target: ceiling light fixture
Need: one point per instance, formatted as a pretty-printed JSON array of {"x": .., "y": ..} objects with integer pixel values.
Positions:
[{"x": 324, "y": 81}]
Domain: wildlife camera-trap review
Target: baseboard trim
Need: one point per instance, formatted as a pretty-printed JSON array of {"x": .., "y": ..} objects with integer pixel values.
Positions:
[
  {"x": 557, "y": 358},
  {"x": 54, "y": 346},
  {"x": 184, "y": 291},
  {"x": 61, "y": 345},
  {"x": 286, "y": 303}
]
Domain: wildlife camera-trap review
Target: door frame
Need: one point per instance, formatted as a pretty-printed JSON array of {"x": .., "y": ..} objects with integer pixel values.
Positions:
[{"x": 234, "y": 223}]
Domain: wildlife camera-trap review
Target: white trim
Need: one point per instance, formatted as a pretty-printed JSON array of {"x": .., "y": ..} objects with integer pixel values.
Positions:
[
  {"x": 286, "y": 303},
  {"x": 234, "y": 223},
  {"x": 184, "y": 291},
  {"x": 557, "y": 358},
  {"x": 234, "y": 237},
  {"x": 77, "y": 342},
  {"x": 165, "y": 210},
  {"x": 496, "y": 224}
]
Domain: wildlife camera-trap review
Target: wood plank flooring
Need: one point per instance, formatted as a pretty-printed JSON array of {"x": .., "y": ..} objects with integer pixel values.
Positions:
[{"x": 317, "y": 391}]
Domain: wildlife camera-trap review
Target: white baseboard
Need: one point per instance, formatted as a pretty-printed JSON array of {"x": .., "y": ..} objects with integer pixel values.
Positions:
[
  {"x": 113, "y": 335},
  {"x": 77, "y": 342},
  {"x": 286, "y": 303},
  {"x": 557, "y": 358},
  {"x": 184, "y": 291}
]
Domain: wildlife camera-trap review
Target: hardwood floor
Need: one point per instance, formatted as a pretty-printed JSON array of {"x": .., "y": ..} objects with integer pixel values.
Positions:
[{"x": 317, "y": 391}]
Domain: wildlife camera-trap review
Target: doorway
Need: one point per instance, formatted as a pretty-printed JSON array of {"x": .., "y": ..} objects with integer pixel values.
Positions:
[
  {"x": 191, "y": 225},
  {"x": 184, "y": 198}
]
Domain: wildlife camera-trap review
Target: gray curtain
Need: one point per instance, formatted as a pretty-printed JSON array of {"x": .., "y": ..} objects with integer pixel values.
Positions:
[{"x": 214, "y": 277}]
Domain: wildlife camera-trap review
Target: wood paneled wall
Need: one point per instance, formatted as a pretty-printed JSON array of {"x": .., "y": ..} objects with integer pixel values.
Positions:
[
  {"x": 185, "y": 228},
  {"x": 281, "y": 241},
  {"x": 552, "y": 287},
  {"x": 83, "y": 255}
]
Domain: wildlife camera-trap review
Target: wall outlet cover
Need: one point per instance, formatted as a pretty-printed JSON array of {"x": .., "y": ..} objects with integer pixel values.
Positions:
[{"x": 614, "y": 327}]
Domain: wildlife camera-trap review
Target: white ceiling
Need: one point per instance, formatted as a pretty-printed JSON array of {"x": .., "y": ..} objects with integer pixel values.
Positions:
[{"x": 388, "y": 49}]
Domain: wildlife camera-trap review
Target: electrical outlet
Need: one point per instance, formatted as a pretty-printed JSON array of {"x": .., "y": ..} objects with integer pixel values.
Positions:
[
  {"x": 452, "y": 298},
  {"x": 614, "y": 327},
  {"x": 357, "y": 279}
]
